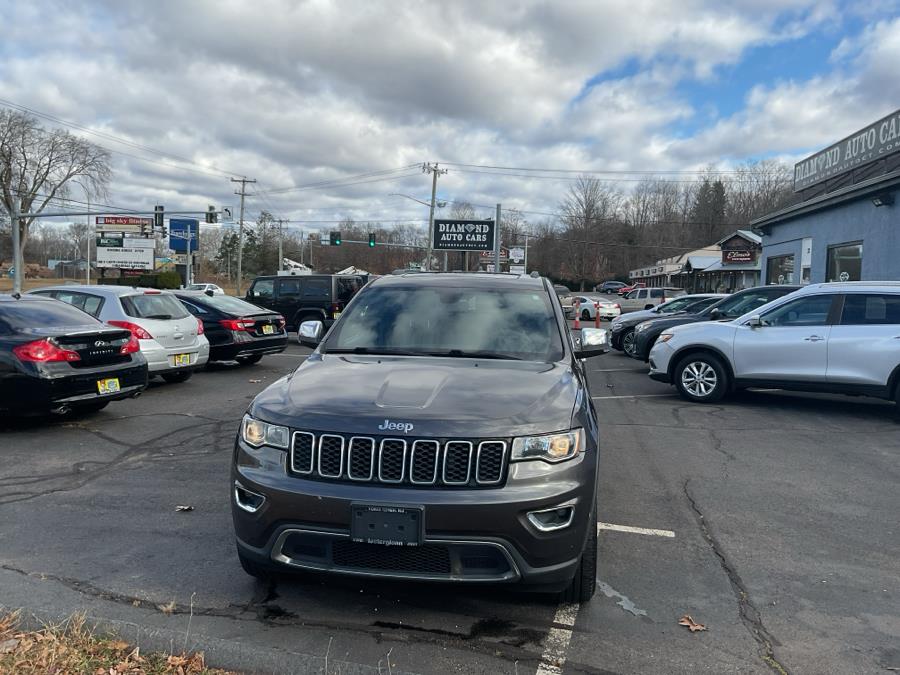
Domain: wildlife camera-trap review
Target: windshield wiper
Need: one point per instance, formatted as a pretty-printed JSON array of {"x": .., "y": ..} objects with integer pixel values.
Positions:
[
  {"x": 475, "y": 354},
  {"x": 375, "y": 351}
]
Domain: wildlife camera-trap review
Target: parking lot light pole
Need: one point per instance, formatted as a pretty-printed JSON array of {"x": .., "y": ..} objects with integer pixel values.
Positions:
[{"x": 16, "y": 240}]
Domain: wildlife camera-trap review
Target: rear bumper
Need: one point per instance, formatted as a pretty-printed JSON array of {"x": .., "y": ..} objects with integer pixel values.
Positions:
[
  {"x": 232, "y": 350},
  {"x": 161, "y": 359},
  {"x": 24, "y": 394}
]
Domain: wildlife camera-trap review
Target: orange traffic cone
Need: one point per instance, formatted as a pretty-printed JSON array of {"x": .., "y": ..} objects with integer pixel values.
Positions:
[
  {"x": 597, "y": 315},
  {"x": 577, "y": 316}
]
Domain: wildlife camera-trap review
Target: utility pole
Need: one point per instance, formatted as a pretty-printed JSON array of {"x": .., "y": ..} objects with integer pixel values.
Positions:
[
  {"x": 17, "y": 278},
  {"x": 497, "y": 242},
  {"x": 280, "y": 245},
  {"x": 434, "y": 171},
  {"x": 243, "y": 193}
]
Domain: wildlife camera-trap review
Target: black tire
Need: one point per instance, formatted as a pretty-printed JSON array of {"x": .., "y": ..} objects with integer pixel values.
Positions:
[
  {"x": 584, "y": 583},
  {"x": 701, "y": 378},
  {"x": 628, "y": 342},
  {"x": 253, "y": 568},
  {"x": 176, "y": 378},
  {"x": 249, "y": 360},
  {"x": 585, "y": 315}
]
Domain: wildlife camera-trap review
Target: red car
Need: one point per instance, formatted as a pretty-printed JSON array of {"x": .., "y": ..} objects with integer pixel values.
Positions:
[{"x": 628, "y": 289}]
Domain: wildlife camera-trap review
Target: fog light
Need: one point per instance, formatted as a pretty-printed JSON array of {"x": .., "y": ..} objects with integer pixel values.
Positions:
[
  {"x": 549, "y": 520},
  {"x": 247, "y": 500}
]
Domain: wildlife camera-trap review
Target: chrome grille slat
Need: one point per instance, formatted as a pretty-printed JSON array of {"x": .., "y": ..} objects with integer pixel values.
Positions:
[
  {"x": 302, "y": 457},
  {"x": 419, "y": 473},
  {"x": 354, "y": 458},
  {"x": 409, "y": 462},
  {"x": 388, "y": 460}
]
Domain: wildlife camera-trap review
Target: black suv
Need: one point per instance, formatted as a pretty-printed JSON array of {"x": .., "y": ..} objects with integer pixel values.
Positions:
[
  {"x": 308, "y": 297},
  {"x": 442, "y": 430}
]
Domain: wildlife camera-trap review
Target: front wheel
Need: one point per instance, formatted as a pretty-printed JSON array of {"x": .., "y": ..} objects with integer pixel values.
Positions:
[
  {"x": 628, "y": 345},
  {"x": 175, "y": 378},
  {"x": 585, "y": 315},
  {"x": 584, "y": 583},
  {"x": 701, "y": 378}
]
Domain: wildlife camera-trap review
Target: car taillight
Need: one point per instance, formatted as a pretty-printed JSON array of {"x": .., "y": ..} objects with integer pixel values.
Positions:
[
  {"x": 137, "y": 331},
  {"x": 199, "y": 327},
  {"x": 43, "y": 351},
  {"x": 238, "y": 324},
  {"x": 280, "y": 321},
  {"x": 617, "y": 306},
  {"x": 130, "y": 347}
]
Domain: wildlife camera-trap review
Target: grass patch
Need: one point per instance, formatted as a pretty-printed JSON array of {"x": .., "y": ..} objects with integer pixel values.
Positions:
[{"x": 71, "y": 647}]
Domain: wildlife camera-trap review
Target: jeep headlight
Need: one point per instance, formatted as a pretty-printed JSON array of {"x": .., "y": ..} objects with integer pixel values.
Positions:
[
  {"x": 550, "y": 448},
  {"x": 258, "y": 433}
]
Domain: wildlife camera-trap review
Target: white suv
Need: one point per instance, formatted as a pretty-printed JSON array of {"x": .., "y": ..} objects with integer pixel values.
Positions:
[{"x": 837, "y": 337}]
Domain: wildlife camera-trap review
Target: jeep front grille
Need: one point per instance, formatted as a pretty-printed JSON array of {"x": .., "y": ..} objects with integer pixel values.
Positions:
[{"x": 399, "y": 461}]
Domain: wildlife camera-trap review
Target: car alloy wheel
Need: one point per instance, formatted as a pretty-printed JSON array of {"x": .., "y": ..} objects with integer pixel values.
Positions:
[{"x": 628, "y": 343}]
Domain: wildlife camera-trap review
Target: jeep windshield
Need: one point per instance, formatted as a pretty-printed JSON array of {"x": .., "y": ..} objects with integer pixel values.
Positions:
[{"x": 457, "y": 322}]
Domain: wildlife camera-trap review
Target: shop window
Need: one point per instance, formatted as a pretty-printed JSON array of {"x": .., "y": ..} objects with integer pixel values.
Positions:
[
  {"x": 780, "y": 269},
  {"x": 845, "y": 262}
]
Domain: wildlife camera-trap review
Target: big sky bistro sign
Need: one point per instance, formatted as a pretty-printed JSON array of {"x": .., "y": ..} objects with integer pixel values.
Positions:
[
  {"x": 463, "y": 235},
  {"x": 876, "y": 141}
]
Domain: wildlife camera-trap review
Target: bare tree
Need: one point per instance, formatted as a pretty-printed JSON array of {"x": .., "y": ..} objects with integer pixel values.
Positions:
[
  {"x": 589, "y": 209},
  {"x": 37, "y": 165}
]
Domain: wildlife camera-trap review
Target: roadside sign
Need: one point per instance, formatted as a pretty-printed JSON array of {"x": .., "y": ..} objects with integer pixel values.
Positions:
[
  {"x": 490, "y": 267},
  {"x": 125, "y": 257},
  {"x": 180, "y": 231},
  {"x": 517, "y": 269},
  {"x": 180, "y": 259},
  {"x": 516, "y": 254},
  {"x": 109, "y": 241},
  {"x": 489, "y": 255},
  {"x": 463, "y": 235},
  {"x": 138, "y": 242},
  {"x": 123, "y": 220}
]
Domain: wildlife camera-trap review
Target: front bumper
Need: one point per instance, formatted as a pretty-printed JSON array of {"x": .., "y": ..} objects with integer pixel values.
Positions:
[
  {"x": 643, "y": 343},
  {"x": 659, "y": 358},
  {"x": 313, "y": 517}
]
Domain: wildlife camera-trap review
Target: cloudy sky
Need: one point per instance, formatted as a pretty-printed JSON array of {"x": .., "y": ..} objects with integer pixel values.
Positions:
[{"x": 333, "y": 106}]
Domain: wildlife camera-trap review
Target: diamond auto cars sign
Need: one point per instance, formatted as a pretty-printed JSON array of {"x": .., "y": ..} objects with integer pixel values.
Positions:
[{"x": 463, "y": 235}]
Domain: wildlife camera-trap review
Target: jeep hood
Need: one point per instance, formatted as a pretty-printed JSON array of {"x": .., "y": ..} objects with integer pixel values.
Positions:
[{"x": 439, "y": 396}]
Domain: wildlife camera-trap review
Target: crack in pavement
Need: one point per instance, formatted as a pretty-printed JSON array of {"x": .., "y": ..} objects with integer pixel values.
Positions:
[
  {"x": 749, "y": 614},
  {"x": 84, "y": 472},
  {"x": 510, "y": 645}
]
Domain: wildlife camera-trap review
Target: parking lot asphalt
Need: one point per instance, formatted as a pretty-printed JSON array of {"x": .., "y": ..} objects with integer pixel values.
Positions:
[{"x": 771, "y": 518}]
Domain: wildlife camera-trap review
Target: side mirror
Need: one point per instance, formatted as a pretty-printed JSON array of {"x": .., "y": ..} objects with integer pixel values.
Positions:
[
  {"x": 755, "y": 322},
  {"x": 310, "y": 333},
  {"x": 715, "y": 314},
  {"x": 591, "y": 342}
]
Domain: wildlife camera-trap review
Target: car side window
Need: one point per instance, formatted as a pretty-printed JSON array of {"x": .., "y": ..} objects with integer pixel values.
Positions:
[
  {"x": 192, "y": 308},
  {"x": 642, "y": 294},
  {"x": 870, "y": 310},
  {"x": 92, "y": 304},
  {"x": 288, "y": 288},
  {"x": 809, "y": 311},
  {"x": 317, "y": 289},
  {"x": 264, "y": 288},
  {"x": 656, "y": 293}
]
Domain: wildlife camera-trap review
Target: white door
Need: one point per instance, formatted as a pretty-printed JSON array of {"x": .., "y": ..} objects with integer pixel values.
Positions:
[
  {"x": 864, "y": 346},
  {"x": 791, "y": 345}
]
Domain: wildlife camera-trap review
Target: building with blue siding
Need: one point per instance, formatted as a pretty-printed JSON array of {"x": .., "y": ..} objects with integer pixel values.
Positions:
[{"x": 845, "y": 225}]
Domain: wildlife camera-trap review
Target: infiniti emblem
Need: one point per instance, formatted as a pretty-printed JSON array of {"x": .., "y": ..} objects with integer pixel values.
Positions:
[{"x": 101, "y": 343}]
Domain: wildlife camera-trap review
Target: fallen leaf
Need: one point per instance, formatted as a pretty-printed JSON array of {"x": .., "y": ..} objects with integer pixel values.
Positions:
[
  {"x": 176, "y": 661},
  {"x": 168, "y": 608},
  {"x": 254, "y": 381},
  {"x": 118, "y": 645},
  {"x": 7, "y": 646},
  {"x": 692, "y": 625},
  {"x": 183, "y": 507}
]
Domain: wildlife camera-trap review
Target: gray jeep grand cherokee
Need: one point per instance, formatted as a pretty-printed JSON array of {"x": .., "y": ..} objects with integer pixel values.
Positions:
[{"x": 442, "y": 430}]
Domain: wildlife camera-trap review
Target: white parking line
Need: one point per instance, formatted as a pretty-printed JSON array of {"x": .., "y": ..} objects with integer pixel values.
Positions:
[
  {"x": 556, "y": 644},
  {"x": 596, "y": 398},
  {"x": 635, "y": 530}
]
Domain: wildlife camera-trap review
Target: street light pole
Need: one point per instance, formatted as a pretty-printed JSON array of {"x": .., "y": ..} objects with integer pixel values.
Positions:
[
  {"x": 16, "y": 236},
  {"x": 434, "y": 171}
]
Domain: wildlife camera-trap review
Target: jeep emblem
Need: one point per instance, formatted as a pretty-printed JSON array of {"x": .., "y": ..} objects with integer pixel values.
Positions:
[{"x": 405, "y": 427}]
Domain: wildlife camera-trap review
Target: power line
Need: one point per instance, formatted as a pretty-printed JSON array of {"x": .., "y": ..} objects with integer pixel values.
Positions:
[
  {"x": 623, "y": 172},
  {"x": 341, "y": 182}
]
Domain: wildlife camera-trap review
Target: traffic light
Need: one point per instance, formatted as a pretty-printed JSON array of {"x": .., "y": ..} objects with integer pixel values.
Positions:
[
  {"x": 371, "y": 239},
  {"x": 158, "y": 213},
  {"x": 335, "y": 238},
  {"x": 211, "y": 215}
]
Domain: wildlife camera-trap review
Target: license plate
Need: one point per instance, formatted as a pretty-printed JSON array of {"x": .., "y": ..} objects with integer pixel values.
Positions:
[
  {"x": 108, "y": 386},
  {"x": 182, "y": 359},
  {"x": 268, "y": 329},
  {"x": 387, "y": 525}
]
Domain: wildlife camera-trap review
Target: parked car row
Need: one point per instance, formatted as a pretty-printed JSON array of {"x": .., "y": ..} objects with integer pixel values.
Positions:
[{"x": 78, "y": 347}]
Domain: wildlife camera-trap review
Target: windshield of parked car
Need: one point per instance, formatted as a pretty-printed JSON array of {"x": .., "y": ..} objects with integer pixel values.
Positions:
[
  {"x": 230, "y": 305},
  {"x": 452, "y": 322},
  {"x": 677, "y": 305},
  {"x": 153, "y": 306},
  {"x": 739, "y": 304}
]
